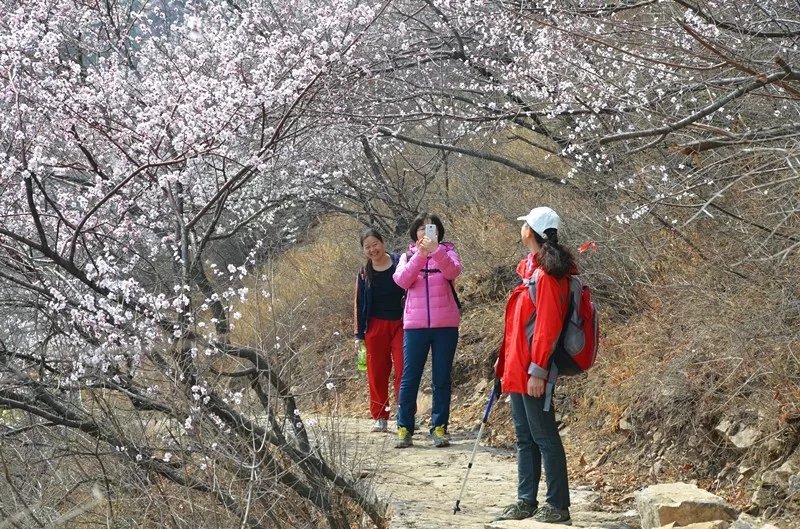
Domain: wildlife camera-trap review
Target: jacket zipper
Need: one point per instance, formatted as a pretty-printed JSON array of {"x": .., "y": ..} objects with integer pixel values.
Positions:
[{"x": 427, "y": 293}]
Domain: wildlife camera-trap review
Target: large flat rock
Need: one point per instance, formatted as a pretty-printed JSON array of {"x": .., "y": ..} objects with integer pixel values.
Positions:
[{"x": 682, "y": 504}]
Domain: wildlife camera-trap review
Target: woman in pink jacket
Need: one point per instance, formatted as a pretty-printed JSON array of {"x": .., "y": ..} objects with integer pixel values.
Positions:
[{"x": 430, "y": 322}]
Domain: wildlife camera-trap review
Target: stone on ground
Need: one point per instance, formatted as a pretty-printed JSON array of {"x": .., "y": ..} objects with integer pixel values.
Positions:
[{"x": 681, "y": 504}]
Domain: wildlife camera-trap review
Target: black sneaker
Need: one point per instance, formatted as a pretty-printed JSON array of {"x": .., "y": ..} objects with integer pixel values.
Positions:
[
  {"x": 549, "y": 514},
  {"x": 517, "y": 511}
]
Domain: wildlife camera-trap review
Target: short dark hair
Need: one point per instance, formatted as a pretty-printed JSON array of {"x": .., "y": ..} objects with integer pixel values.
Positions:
[{"x": 420, "y": 220}]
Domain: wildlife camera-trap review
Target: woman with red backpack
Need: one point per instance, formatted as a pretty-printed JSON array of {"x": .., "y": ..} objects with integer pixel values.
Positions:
[{"x": 530, "y": 336}]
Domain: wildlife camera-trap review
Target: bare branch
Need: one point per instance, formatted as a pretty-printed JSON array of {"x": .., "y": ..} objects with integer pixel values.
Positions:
[
  {"x": 758, "y": 83},
  {"x": 474, "y": 153}
]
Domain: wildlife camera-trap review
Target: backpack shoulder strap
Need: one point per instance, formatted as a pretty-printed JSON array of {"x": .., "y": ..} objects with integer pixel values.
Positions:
[
  {"x": 553, "y": 374},
  {"x": 574, "y": 285},
  {"x": 455, "y": 294},
  {"x": 575, "y": 289},
  {"x": 532, "y": 285}
]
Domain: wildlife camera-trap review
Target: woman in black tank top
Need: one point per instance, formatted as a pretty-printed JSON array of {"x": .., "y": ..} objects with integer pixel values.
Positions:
[{"x": 379, "y": 324}]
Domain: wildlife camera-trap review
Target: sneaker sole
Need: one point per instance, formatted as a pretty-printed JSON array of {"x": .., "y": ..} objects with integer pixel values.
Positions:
[{"x": 518, "y": 518}]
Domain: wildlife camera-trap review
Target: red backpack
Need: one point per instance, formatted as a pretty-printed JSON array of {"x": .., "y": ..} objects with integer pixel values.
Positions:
[{"x": 576, "y": 349}]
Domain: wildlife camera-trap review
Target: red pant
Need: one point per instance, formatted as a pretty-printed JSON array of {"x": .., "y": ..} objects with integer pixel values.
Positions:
[{"x": 384, "y": 341}]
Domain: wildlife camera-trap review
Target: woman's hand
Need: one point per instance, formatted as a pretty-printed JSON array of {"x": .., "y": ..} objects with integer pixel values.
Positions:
[
  {"x": 536, "y": 386},
  {"x": 427, "y": 245},
  {"x": 422, "y": 249}
]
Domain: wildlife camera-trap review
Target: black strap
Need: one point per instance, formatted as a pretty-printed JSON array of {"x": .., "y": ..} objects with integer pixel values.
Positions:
[
  {"x": 550, "y": 387},
  {"x": 455, "y": 296}
]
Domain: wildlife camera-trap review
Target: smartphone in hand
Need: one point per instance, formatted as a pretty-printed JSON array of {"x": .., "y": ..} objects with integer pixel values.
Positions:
[{"x": 430, "y": 232}]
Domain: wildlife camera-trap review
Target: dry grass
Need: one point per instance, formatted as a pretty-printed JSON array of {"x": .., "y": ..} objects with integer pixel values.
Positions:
[{"x": 300, "y": 307}]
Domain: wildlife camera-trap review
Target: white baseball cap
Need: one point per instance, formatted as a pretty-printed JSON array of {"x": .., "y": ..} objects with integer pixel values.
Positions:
[{"x": 541, "y": 219}]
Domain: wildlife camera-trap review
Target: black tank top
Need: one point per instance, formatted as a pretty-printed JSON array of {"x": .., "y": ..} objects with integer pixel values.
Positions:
[{"x": 386, "y": 296}]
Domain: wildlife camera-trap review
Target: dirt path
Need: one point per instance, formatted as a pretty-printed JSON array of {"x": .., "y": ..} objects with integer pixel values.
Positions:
[{"x": 422, "y": 482}]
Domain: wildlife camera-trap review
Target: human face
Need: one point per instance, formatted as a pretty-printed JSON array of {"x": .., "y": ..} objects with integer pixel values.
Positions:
[
  {"x": 525, "y": 232},
  {"x": 373, "y": 248}
]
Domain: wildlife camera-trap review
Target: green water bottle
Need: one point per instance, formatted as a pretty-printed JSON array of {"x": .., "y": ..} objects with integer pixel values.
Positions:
[{"x": 362, "y": 356}]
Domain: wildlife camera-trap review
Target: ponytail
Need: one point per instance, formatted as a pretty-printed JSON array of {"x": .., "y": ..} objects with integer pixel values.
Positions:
[
  {"x": 369, "y": 272},
  {"x": 554, "y": 258}
]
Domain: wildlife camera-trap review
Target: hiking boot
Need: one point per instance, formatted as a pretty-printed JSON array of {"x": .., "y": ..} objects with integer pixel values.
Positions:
[
  {"x": 517, "y": 511},
  {"x": 380, "y": 426},
  {"x": 549, "y": 514},
  {"x": 403, "y": 438},
  {"x": 440, "y": 437}
]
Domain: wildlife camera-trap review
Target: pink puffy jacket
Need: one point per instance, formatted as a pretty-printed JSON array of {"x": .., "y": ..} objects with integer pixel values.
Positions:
[{"x": 429, "y": 298}]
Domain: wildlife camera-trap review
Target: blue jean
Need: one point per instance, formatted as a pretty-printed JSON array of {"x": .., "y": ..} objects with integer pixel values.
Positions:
[
  {"x": 538, "y": 443},
  {"x": 442, "y": 343}
]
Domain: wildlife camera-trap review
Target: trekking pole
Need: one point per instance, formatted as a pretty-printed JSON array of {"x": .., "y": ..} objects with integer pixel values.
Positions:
[{"x": 495, "y": 394}]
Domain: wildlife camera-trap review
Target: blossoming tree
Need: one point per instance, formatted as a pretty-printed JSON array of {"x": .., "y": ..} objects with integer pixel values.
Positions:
[
  {"x": 140, "y": 140},
  {"x": 654, "y": 106},
  {"x": 143, "y": 141}
]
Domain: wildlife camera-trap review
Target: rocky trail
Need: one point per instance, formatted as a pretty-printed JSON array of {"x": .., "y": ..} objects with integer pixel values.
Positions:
[{"x": 422, "y": 483}]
